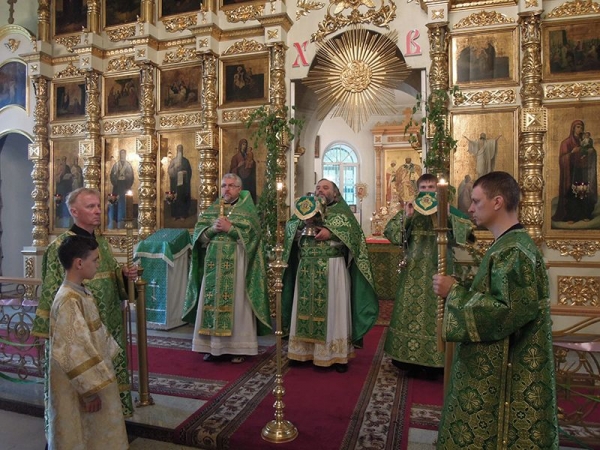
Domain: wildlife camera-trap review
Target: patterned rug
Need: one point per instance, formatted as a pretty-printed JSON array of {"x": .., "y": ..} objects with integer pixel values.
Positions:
[{"x": 375, "y": 419}]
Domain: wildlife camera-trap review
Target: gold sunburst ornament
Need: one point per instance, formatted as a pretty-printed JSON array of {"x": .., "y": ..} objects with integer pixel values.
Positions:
[{"x": 355, "y": 74}]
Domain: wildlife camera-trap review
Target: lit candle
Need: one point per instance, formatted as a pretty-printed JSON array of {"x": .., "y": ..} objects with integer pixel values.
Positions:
[
  {"x": 442, "y": 203},
  {"x": 129, "y": 205},
  {"x": 279, "y": 229}
]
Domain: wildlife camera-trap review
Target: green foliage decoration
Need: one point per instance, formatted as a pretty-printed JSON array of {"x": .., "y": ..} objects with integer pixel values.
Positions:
[
  {"x": 441, "y": 143},
  {"x": 274, "y": 129}
]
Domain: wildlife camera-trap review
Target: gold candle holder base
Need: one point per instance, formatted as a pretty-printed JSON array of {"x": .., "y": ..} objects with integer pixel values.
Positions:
[{"x": 279, "y": 432}]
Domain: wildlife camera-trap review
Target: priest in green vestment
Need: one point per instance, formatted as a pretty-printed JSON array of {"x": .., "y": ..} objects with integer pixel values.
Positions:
[
  {"x": 226, "y": 297},
  {"x": 502, "y": 387},
  {"x": 329, "y": 301},
  {"x": 411, "y": 340},
  {"x": 107, "y": 287}
]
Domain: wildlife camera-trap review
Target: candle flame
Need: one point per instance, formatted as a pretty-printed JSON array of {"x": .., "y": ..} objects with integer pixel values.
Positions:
[
  {"x": 443, "y": 181},
  {"x": 280, "y": 186},
  {"x": 129, "y": 192}
]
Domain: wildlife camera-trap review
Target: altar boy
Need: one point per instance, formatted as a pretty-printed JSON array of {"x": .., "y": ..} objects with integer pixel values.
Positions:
[{"x": 84, "y": 409}]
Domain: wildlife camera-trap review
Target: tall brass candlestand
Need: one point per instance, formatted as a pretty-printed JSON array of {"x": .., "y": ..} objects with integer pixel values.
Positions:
[
  {"x": 131, "y": 296},
  {"x": 279, "y": 430},
  {"x": 442, "y": 243},
  {"x": 142, "y": 342}
]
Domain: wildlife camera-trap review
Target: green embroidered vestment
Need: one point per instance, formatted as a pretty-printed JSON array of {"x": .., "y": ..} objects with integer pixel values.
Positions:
[
  {"x": 216, "y": 264},
  {"x": 502, "y": 390},
  {"x": 310, "y": 259}
]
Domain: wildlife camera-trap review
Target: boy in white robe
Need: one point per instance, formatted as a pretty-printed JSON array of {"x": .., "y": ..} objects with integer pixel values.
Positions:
[{"x": 84, "y": 409}]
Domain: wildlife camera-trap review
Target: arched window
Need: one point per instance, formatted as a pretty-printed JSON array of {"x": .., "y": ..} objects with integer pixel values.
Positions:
[{"x": 340, "y": 165}]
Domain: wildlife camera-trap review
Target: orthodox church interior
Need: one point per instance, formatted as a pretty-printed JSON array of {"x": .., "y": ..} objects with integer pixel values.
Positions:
[{"x": 108, "y": 94}]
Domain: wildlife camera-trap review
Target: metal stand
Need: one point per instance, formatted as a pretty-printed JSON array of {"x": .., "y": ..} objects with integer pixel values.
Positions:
[
  {"x": 145, "y": 399},
  {"x": 279, "y": 430},
  {"x": 142, "y": 339}
]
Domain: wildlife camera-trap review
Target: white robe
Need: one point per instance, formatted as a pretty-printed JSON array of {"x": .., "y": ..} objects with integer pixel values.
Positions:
[
  {"x": 81, "y": 352},
  {"x": 337, "y": 348}
]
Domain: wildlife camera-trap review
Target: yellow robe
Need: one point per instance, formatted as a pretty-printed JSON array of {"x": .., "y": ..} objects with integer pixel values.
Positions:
[{"x": 81, "y": 353}]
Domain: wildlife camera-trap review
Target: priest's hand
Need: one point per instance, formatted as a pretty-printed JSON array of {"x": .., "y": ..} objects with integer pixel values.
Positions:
[
  {"x": 409, "y": 209},
  {"x": 92, "y": 404},
  {"x": 130, "y": 272},
  {"x": 442, "y": 284},
  {"x": 222, "y": 224},
  {"x": 323, "y": 234}
]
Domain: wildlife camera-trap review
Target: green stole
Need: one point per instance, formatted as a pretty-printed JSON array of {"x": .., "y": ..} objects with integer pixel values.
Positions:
[{"x": 215, "y": 265}]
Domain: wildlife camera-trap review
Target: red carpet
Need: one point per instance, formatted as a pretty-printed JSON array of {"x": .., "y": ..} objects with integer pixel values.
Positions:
[{"x": 331, "y": 410}]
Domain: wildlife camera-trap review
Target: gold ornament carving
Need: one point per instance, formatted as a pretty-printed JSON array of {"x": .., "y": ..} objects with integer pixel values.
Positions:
[
  {"x": 122, "y": 125},
  {"x": 238, "y": 115},
  {"x": 202, "y": 43},
  {"x": 244, "y": 46},
  {"x": 180, "y": 23},
  {"x": 120, "y": 242},
  {"x": 272, "y": 34},
  {"x": 70, "y": 72},
  {"x": 121, "y": 33},
  {"x": 483, "y": 19},
  {"x": 244, "y": 13},
  {"x": 355, "y": 75},
  {"x": 29, "y": 267},
  {"x": 533, "y": 125},
  {"x": 335, "y": 20},
  {"x": 496, "y": 97},
  {"x": 304, "y": 7},
  {"x": 180, "y": 120},
  {"x": 69, "y": 41},
  {"x": 182, "y": 54},
  {"x": 87, "y": 148},
  {"x": 437, "y": 14},
  {"x": 39, "y": 152},
  {"x": 438, "y": 52},
  {"x": 68, "y": 129},
  {"x": 575, "y": 8},
  {"x": 574, "y": 249},
  {"x": 531, "y": 3},
  {"x": 206, "y": 142},
  {"x": 534, "y": 119},
  {"x": 578, "y": 90},
  {"x": 578, "y": 291},
  {"x": 122, "y": 63},
  {"x": 12, "y": 44}
]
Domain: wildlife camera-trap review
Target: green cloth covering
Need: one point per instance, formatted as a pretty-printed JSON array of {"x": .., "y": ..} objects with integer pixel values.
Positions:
[
  {"x": 502, "y": 390},
  {"x": 412, "y": 333},
  {"x": 215, "y": 264},
  {"x": 166, "y": 244},
  {"x": 108, "y": 289},
  {"x": 340, "y": 220}
]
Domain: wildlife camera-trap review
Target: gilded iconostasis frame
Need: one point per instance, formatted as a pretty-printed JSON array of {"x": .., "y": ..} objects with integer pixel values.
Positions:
[
  {"x": 563, "y": 156},
  {"x": 232, "y": 140},
  {"x": 175, "y": 212}
]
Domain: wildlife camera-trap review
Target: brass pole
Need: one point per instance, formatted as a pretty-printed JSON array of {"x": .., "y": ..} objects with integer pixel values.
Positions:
[
  {"x": 279, "y": 430},
  {"x": 442, "y": 243},
  {"x": 142, "y": 343},
  {"x": 131, "y": 297}
]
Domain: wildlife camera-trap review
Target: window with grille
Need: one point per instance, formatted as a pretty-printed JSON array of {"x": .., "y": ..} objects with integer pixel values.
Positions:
[{"x": 340, "y": 165}]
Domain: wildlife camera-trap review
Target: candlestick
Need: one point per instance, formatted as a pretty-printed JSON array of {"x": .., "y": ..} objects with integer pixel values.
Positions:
[
  {"x": 279, "y": 235},
  {"x": 442, "y": 203},
  {"x": 129, "y": 205}
]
